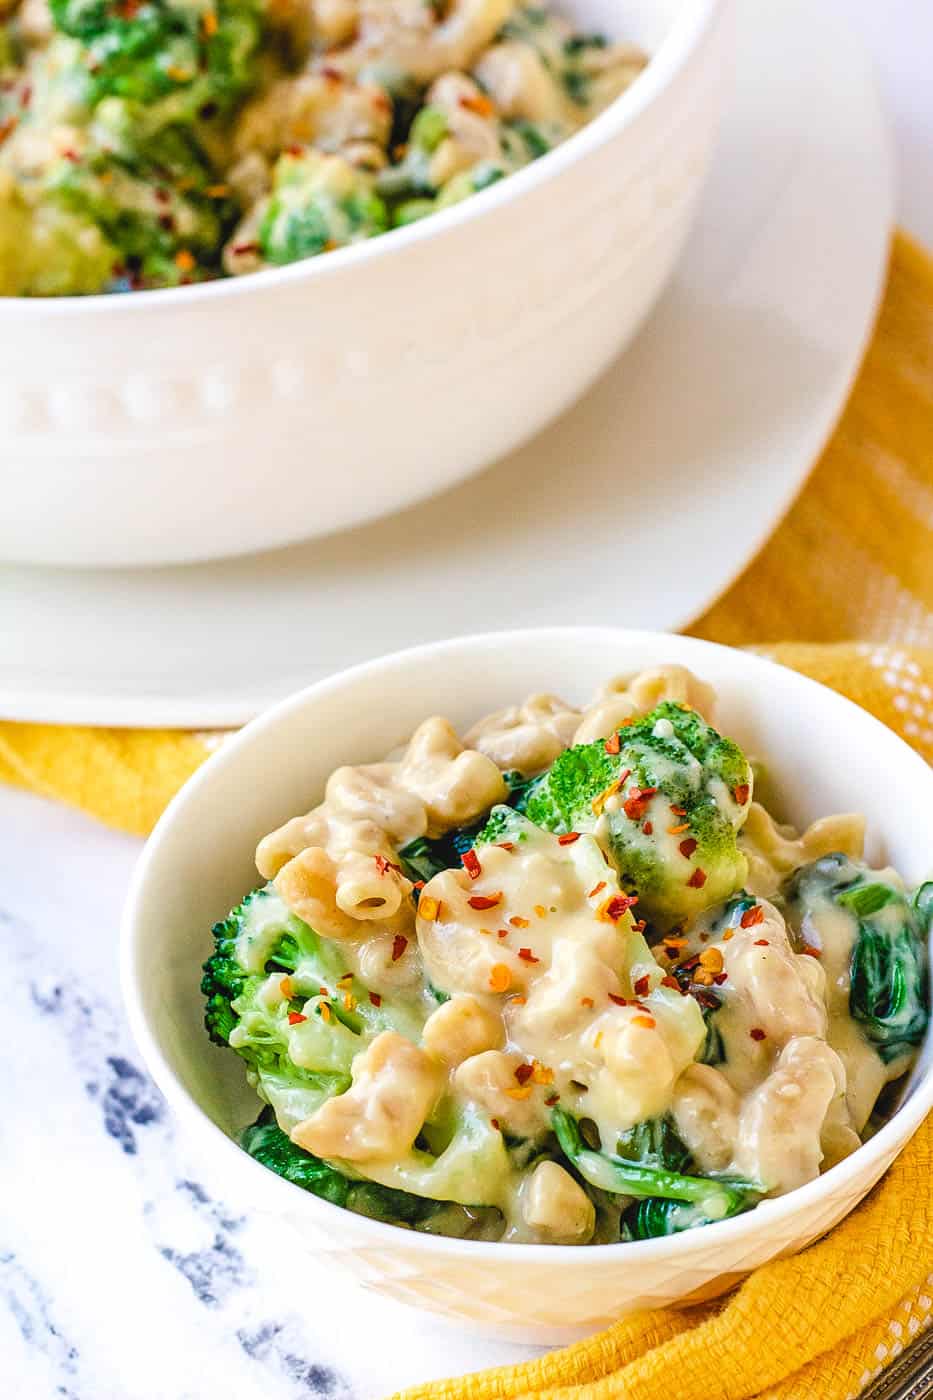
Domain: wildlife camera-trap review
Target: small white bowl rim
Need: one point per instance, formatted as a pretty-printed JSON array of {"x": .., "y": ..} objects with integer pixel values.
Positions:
[
  {"x": 687, "y": 29},
  {"x": 900, "y": 1127}
]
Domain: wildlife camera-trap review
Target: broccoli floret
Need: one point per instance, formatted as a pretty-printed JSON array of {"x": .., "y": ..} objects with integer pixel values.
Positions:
[
  {"x": 888, "y": 976},
  {"x": 318, "y": 202},
  {"x": 47, "y": 250},
  {"x": 667, "y": 806},
  {"x": 195, "y": 55}
]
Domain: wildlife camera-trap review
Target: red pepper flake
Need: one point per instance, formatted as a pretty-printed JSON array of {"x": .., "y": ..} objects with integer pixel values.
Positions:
[
  {"x": 757, "y": 1033},
  {"x": 517, "y": 1001},
  {"x": 568, "y": 838},
  {"x": 471, "y": 864},
  {"x": 375, "y": 998},
  {"x": 613, "y": 743},
  {"x": 596, "y": 889},
  {"x": 399, "y": 944},
  {"x": 762, "y": 943},
  {"x": 648, "y": 828},
  {"x": 678, "y": 811},
  {"x": 672, "y": 982},
  {"x": 502, "y": 933},
  {"x": 485, "y": 901},
  {"x": 676, "y": 830},
  {"x": 697, "y": 879},
  {"x": 506, "y": 845},
  {"x": 418, "y": 885},
  {"x": 495, "y": 1123},
  {"x": 524, "y": 1072},
  {"x": 810, "y": 951},
  {"x": 518, "y": 922},
  {"x": 720, "y": 977},
  {"x": 184, "y": 260},
  {"x": 500, "y": 978},
  {"x": 639, "y": 925},
  {"x": 479, "y": 103},
  {"x": 209, "y": 23},
  {"x": 429, "y": 908},
  {"x": 616, "y": 906},
  {"x": 586, "y": 1001},
  {"x": 636, "y": 804},
  {"x": 25, "y": 96},
  {"x": 752, "y": 916},
  {"x": 527, "y": 955},
  {"x": 384, "y": 866},
  {"x": 241, "y": 249},
  {"x": 551, "y": 1100},
  {"x": 7, "y": 128},
  {"x": 619, "y": 1001},
  {"x": 687, "y": 847},
  {"x": 647, "y": 1023},
  {"x": 295, "y": 1018},
  {"x": 740, "y": 793},
  {"x": 642, "y": 986}
]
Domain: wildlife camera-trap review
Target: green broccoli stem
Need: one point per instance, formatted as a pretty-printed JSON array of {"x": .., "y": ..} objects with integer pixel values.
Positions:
[{"x": 719, "y": 1197}]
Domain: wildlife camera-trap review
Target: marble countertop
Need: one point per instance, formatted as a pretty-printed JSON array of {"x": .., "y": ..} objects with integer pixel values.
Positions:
[{"x": 127, "y": 1270}]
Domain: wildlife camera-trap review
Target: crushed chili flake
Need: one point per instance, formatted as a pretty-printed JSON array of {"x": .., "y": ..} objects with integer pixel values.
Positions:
[
  {"x": 762, "y": 943},
  {"x": 540, "y": 911},
  {"x": 542, "y": 1074},
  {"x": 648, "y": 1023},
  {"x": 687, "y": 846},
  {"x": 619, "y": 1001},
  {"x": 642, "y": 985},
  {"x": 527, "y": 955},
  {"x": 428, "y": 907},
  {"x": 471, "y": 864},
  {"x": 674, "y": 942},
  {"x": 478, "y": 103},
  {"x": 720, "y": 978},
  {"x": 752, "y": 916},
  {"x": 568, "y": 838},
  {"x": 757, "y": 1033},
  {"x": 729, "y": 933},
  {"x": 600, "y": 800},
  {"x": 486, "y": 932},
  {"x": 640, "y": 925},
  {"x": 711, "y": 959},
  {"x": 612, "y": 910},
  {"x": 586, "y": 1001},
  {"x": 703, "y": 977},
  {"x": 375, "y": 998},
  {"x": 241, "y": 249},
  {"x": 636, "y": 804},
  {"x": 676, "y": 830},
  {"x": 324, "y": 1011},
  {"x": 285, "y": 987},
  {"x": 485, "y": 901},
  {"x": 523, "y": 1093},
  {"x": 418, "y": 885},
  {"x": 184, "y": 259},
  {"x": 648, "y": 828},
  {"x": 506, "y": 845},
  {"x": 399, "y": 944},
  {"x": 740, "y": 793},
  {"x": 524, "y": 1072},
  {"x": 502, "y": 933},
  {"x": 678, "y": 811},
  {"x": 517, "y": 1001},
  {"x": 613, "y": 743},
  {"x": 669, "y": 981},
  {"x": 697, "y": 879},
  {"x": 345, "y": 981},
  {"x": 323, "y": 992},
  {"x": 810, "y": 951},
  {"x": 552, "y": 1099},
  {"x": 495, "y": 1123},
  {"x": 597, "y": 1040},
  {"x": 295, "y": 1018},
  {"x": 596, "y": 889},
  {"x": 209, "y": 23},
  {"x": 518, "y": 922},
  {"x": 500, "y": 978},
  {"x": 349, "y": 1001},
  {"x": 7, "y": 127},
  {"x": 384, "y": 866}
]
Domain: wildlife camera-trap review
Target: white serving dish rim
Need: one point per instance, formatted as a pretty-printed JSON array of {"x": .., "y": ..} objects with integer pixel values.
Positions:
[
  {"x": 903, "y": 1123},
  {"x": 687, "y": 28}
]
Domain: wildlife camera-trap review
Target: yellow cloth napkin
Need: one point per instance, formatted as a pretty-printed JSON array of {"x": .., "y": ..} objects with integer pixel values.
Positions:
[{"x": 843, "y": 591}]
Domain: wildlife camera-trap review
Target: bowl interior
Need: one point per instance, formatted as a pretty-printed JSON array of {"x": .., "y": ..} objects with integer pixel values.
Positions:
[{"x": 822, "y": 753}]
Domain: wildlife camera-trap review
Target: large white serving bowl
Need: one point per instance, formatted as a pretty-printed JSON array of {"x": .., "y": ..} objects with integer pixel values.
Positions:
[
  {"x": 823, "y": 755},
  {"x": 215, "y": 420}
]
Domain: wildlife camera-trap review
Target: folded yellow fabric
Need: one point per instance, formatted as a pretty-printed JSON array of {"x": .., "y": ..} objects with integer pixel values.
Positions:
[{"x": 843, "y": 592}]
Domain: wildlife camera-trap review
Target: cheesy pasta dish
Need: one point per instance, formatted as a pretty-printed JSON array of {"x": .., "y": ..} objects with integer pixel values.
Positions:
[
  {"x": 149, "y": 143},
  {"x": 564, "y": 979}
]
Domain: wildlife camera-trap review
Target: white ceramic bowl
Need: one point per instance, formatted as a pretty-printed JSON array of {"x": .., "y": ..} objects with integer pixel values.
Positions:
[
  {"x": 824, "y": 754},
  {"x": 215, "y": 420}
]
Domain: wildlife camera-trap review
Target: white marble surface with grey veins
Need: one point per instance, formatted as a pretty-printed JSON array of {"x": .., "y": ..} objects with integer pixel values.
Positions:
[{"x": 128, "y": 1270}]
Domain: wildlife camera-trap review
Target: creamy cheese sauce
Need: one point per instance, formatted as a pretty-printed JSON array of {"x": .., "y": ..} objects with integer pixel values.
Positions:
[{"x": 530, "y": 976}]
